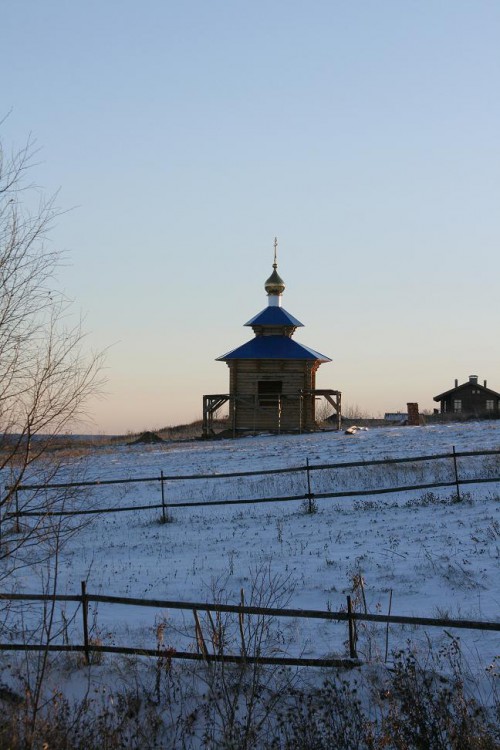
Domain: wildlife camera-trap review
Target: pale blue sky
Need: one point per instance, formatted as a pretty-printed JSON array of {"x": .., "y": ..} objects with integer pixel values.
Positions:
[{"x": 366, "y": 135}]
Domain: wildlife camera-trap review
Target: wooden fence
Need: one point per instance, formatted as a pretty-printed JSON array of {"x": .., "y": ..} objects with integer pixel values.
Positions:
[
  {"x": 349, "y": 616},
  {"x": 456, "y": 482}
]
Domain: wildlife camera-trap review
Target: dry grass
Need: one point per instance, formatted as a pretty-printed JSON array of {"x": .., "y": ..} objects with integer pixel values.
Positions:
[{"x": 412, "y": 705}]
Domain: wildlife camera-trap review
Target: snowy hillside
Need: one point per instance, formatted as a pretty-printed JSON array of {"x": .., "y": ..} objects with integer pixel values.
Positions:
[{"x": 437, "y": 558}]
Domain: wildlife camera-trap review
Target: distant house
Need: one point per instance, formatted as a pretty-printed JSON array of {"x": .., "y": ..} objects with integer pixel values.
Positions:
[{"x": 470, "y": 400}]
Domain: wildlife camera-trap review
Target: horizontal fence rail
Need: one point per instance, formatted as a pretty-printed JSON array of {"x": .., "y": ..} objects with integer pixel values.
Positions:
[
  {"x": 349, "y": 616},
  {"x": 309, "y": 496},
  {"x": 259, "y": 472},
  {"x": 250, "y": 501},
  {"x": 168, "y": 654}
]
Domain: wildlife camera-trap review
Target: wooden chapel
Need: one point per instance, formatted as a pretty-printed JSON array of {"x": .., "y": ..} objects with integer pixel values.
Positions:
[{"x": 272, "y": 377}]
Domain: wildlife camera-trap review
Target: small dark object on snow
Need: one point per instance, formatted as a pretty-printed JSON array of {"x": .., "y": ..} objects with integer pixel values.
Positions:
[{"x": 147, "y": 437}]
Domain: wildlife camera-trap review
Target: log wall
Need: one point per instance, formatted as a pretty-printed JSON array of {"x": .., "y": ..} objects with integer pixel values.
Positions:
[{"x": 290, "y": 412}]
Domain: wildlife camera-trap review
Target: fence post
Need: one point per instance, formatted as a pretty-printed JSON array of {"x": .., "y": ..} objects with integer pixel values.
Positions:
[
  {"x": 310, "y": 496},
  {"x": 456, "y": 474},
  {"x": 163, "y": 509},
  {"x": 352, "y": 630},
  {"x": 18, "y": 528},
  {"x": 85, "y": 613},
  {"x": 387, "y": 629},
  {"x": 241, "y": 621}
]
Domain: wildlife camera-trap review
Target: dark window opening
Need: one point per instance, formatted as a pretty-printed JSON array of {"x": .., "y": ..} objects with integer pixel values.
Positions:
[{"x": 269, "y": 392}]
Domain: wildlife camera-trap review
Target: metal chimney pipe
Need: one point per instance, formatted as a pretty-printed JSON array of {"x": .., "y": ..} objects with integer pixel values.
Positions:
[
  {"x": 485, "y": 383},
  {"x": 456, "y": 383}
]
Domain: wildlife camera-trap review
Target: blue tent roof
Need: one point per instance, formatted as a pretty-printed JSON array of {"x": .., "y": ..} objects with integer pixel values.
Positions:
[
  {"x": 273, "y": 347},
  {"x": 274, "y": 316}
]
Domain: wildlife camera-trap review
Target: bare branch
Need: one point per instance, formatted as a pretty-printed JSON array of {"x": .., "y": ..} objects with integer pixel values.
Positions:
[{"x": 46, "y": 372}]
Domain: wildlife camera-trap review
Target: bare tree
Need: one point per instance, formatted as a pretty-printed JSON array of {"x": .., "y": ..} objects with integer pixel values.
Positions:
[{"x": 46, "y": 373}]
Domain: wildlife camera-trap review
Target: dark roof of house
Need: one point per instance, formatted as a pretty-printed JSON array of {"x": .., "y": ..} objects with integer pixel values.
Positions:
[
  {"x": 469, "y": 384},
  {"x": 273, "y": 347},
  {"x": 274, "y": 316}
]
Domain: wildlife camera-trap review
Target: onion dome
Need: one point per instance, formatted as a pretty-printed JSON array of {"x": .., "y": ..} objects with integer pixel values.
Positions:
[{"x": 275, "y": 284}]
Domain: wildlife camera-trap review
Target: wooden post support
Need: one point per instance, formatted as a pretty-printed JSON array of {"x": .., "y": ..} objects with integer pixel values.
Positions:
[
  {"x": 457, "y": 482},
  {"x": 85, "y": 614},
  {"x": 352, "y": 630},
  {"x": 211, "y": 403}
]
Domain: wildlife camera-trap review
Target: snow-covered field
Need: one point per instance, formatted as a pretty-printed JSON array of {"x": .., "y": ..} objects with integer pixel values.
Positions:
[{"x": 438, "y": 558}]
